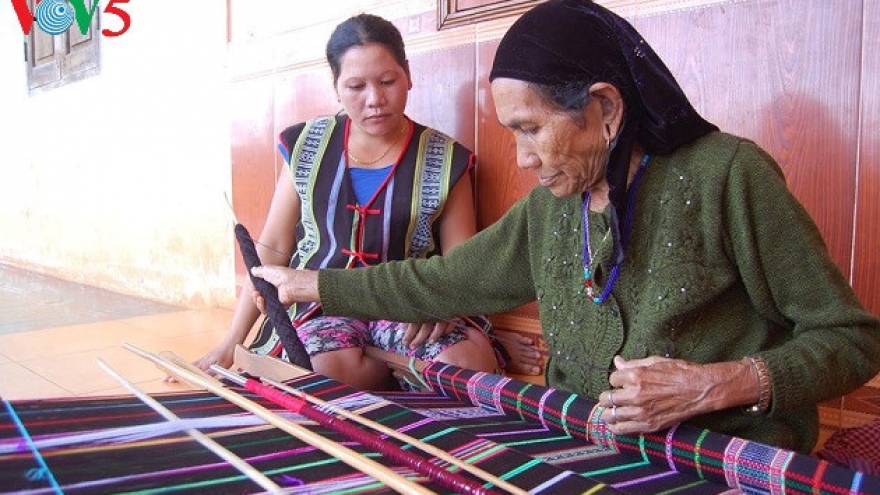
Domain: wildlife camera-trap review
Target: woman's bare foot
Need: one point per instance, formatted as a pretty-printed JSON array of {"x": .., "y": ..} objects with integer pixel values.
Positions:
[{"x": 525, "y": 358}]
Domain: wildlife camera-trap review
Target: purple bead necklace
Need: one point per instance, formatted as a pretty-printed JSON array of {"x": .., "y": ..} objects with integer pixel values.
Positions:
[{"x": 625, "y": 233}]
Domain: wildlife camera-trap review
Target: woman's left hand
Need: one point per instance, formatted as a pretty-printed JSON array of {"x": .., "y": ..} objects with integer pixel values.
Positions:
[{"x": 654, "y": 393}]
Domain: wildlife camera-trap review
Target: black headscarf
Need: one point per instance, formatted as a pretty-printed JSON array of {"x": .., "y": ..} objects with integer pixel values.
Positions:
[{"x": 565, "y": 41}]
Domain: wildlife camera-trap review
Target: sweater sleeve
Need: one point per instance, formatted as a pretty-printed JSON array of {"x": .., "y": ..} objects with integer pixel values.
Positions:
[
  {"x": 488, "y": 273},
  {"x": 834, "y": 344}
]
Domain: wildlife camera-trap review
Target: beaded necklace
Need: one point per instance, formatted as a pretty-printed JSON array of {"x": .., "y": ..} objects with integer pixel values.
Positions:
[{"x": 625, "y": 233}]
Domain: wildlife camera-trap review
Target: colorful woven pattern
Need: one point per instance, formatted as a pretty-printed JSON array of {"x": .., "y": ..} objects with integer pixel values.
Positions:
[
  {"x": 117, "y": 444},
  {"x": 536, "y": 438},
  {"x": 707, "y": 458}
]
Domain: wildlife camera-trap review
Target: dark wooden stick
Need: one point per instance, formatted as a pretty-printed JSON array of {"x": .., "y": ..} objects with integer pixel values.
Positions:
[{"x": 276, "y": 312}]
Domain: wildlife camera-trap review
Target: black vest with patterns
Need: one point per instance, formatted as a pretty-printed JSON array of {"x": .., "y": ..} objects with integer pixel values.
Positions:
[{"x": 399, "y": 222}]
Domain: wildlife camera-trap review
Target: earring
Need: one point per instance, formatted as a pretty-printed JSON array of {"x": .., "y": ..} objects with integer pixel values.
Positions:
[{"x": 607, "y": 136}]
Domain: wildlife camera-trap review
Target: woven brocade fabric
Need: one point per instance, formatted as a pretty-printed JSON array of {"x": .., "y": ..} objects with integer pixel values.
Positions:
[
  {"x": 542, "y": 440},
  {"x": 117, "y": 444},
  {"x": 703, "y": 456}
]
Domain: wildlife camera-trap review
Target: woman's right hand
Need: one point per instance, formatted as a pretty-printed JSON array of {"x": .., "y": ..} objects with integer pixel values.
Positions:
[{"x": 222, "y": 355}]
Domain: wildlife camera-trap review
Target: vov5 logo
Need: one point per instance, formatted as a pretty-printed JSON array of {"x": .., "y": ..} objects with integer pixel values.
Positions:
[{"x": 56, "y": 16}]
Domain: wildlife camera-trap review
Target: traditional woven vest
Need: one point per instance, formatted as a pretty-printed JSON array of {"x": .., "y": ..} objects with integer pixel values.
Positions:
[{"x": 397, "y": 223}]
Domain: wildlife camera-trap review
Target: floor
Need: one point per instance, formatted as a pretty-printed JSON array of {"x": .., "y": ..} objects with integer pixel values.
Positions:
[{"x": 52, "y": 332}]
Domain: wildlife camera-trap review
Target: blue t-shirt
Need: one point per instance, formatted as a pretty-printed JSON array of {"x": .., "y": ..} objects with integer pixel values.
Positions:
[{"x": 366, "y": 181}]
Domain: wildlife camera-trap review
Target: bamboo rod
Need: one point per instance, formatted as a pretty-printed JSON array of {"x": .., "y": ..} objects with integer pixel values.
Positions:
[
  {"x": 448, "y": 479},
  {"x": 341, "y": 452},
  {"x": 424, "y": 446},
  {"x": 237, "y": 462},
  {"x": 263, "y": 365}
]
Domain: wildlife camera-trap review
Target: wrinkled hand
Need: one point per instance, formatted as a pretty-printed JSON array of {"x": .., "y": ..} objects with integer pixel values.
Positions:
[
  {"x": 418, "y": 333},
  {"x": 656, "y": 392},
  {"x": 293, "y": 285}
]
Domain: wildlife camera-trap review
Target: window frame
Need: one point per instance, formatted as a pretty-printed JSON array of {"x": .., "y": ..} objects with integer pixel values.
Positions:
[
  {"x": 452, "y": 13},
  {"x": 53, "y": 61}
]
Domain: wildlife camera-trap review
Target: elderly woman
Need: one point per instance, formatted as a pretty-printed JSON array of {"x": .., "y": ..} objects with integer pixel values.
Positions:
[{"x": 678, "y": 279}]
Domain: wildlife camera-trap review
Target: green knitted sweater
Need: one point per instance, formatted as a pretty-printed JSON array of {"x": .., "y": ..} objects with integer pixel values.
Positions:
[{"x": 724, "y": 263}]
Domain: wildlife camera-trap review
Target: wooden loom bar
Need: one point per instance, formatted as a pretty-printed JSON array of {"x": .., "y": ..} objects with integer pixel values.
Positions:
[
  {"x": 344, "y": 454},
  {"x": 271, "y": 366},
  {"x": 391, "y": 451}
]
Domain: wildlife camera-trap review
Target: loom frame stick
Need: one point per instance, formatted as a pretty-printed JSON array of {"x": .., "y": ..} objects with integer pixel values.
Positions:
[
  {"x": 450, "y": 480},
  {"x": 243, "y": 356},
  {"x": 279, "y": 370},
  {"x": 209, "y": 443},
  {"x": 424, "y": 446},
  {"x": 265, "y": 365},
  {"x": 361, "y": 463}
]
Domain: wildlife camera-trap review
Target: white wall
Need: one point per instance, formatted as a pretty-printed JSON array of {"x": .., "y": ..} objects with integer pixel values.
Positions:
[{"x": 119, "y": 181}]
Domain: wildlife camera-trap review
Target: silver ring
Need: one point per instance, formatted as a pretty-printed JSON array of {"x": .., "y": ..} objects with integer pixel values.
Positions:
[
  {"x": 611, "y": 397},
  {"x": 614, "y": 414}
]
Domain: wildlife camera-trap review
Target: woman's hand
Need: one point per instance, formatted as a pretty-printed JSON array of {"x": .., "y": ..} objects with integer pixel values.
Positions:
[
  {"x": 656, "y": 392},
  {"x": 259, "y": 302},
  {"x": 417, "y": 333},
  {"x": 221, "y": 355}
]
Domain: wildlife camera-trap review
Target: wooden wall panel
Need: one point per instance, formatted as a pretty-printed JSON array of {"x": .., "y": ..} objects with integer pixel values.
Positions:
[
  {"x": 443, "y": 91},
  {"x": 866, "y": 265},
  {"x": 303, "y": 95},
  {"x": 300, "y": 96},
  {"x": 785, "y": 76},
  {"x": 500, "y": 182}
]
